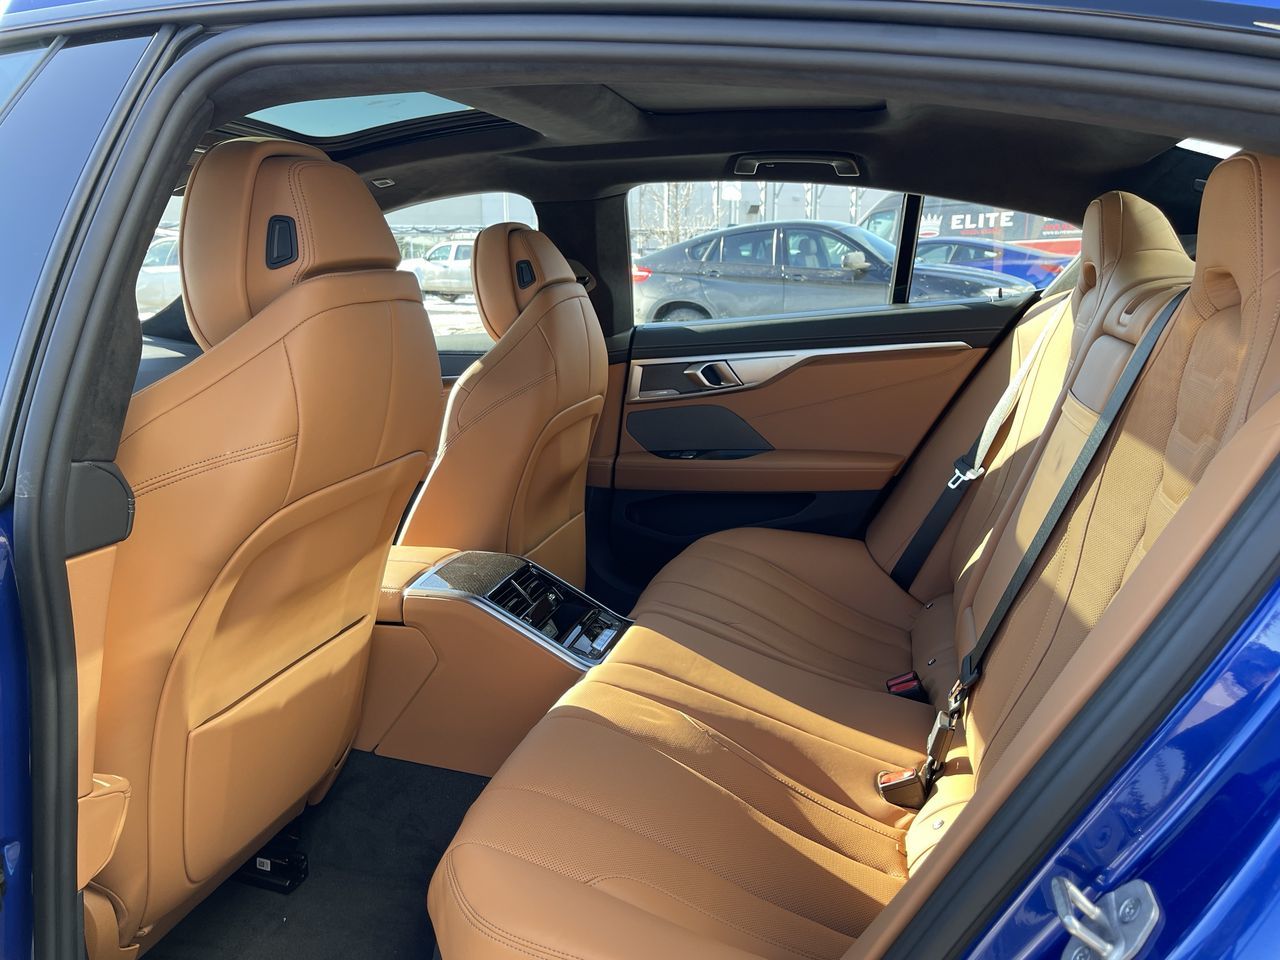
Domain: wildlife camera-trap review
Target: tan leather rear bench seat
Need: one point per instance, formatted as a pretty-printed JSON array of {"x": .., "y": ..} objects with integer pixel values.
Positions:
[{"x": 709, "y": 790}]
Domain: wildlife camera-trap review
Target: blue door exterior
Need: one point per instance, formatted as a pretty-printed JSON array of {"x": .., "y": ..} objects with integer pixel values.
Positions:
[{"x": 1195, "y": 813}]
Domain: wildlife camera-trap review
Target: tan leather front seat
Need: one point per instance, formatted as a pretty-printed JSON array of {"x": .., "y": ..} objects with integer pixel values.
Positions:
[
  {"x": 511, "y": 472},
  {"x": 270, "y": 474}
]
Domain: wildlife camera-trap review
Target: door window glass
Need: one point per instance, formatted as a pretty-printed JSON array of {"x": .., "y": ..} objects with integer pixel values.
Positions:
[
  {"x": 435, "y": 240},
  {"x": 754, "y": 246},
  {"x": 992, "y": 250},
  {"x": 749, "y": 249}
]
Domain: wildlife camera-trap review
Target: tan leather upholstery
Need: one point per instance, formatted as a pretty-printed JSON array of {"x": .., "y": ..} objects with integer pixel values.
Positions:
[
  {"x": 510, "y": 475},
  {"x": 708, "y": 790},
  {"x": 270, "y": 474}
]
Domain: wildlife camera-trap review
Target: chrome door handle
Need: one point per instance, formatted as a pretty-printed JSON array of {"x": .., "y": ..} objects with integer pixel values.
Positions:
[
  {"x": 713, "y": 375},
  {"x": 712, "y": 274}
]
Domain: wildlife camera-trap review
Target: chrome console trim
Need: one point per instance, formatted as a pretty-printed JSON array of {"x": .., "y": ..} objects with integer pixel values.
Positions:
[{"x": 428, "y": 584}]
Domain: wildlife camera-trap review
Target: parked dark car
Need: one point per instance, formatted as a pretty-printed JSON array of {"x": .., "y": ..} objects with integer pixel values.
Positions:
[
  {"x": 1037, "y": 267},
  {"x": 790, "y": 267}
]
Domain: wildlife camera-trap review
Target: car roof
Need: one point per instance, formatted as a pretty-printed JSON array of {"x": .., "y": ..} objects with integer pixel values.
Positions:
[{"x": 1254, "y": 18}]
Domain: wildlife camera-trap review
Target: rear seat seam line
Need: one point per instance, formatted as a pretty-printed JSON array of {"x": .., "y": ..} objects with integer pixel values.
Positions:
[
  {"x": 742, "y": 800},
  {"x": 844, "y": 627},
  {"x": 772, "y": 653},
  {"x": 487, "y": 928},
  {"x": 750, "y": 758},
  {"x": 681, "y": 856},
  {"x": 748, "y": 708},
  {"x": 719, "y": 919},
  {"x": 741, "y": 628},
  {"x": 594, "y": 881},
  {"x": 794, "y": 579}
]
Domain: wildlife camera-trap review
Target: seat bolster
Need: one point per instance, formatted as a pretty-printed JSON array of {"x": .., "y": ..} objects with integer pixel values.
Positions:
[
  {"x": 694, "y": 845},
  {"x": 486, "y": 904}
]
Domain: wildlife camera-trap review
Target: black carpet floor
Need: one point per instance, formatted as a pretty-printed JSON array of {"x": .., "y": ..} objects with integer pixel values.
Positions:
[{"x": 372, "y": 846}]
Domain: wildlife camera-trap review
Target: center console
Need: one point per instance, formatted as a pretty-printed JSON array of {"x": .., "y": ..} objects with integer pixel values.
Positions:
[
  {"x": 470, "y": 650},
  {"x": 531, "y": 600}
]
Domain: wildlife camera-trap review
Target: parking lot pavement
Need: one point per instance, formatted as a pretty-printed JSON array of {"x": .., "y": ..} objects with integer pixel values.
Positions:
[{"x": 457, "y": 325}]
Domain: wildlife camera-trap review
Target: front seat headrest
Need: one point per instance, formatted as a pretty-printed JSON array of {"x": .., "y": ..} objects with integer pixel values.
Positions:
[
  {"x": 510, "y": 265},
  {"x": 261, "y": 216},
  {"x": 1233, "y": 257},
  {"x": 1121, "y": 225}
]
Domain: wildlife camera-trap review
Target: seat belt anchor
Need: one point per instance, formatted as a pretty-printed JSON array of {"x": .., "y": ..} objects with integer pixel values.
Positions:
[{"x": 965, "y": 472}]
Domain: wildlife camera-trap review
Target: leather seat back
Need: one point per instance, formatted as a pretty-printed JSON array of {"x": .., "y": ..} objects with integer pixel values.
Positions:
[
  {"x": 511, "y": 471},
  {"x": 270, "y": 474}
]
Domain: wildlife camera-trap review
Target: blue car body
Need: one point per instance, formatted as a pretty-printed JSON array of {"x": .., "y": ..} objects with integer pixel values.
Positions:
[{"x": 1195, "y": 811}]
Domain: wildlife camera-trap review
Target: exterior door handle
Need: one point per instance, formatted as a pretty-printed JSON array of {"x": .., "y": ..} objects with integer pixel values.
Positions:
[
  {"x": 713, "y": 375},
  {"x": 712, "y": 273}
]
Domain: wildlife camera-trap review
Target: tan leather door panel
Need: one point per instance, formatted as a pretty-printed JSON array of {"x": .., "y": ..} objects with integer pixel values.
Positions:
[{"x": 835, "y": 421}]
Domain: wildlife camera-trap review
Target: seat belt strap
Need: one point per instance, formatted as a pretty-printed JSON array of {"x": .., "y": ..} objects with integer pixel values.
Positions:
[
  {"x": 971, "y": 667},
  {"x": 972, "y": 464}
]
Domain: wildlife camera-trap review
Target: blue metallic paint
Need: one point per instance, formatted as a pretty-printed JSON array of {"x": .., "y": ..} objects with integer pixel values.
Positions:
[
  {"x": 1195, "y": 813},
  {"x": 15, "y": 760}
]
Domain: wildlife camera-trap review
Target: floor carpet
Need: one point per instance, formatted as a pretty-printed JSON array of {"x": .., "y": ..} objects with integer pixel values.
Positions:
[{"x": 372, "y": 846}]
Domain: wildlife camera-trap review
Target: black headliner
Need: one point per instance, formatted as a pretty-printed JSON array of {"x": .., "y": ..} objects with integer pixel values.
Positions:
[{"x": 585, "y": 140}]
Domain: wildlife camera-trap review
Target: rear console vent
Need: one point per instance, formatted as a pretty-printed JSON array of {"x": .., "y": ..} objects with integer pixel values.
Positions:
[{"x": 527, "y": 595}]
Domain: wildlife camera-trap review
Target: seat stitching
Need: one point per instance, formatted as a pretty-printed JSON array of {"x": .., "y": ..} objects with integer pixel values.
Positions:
[
  {"x": 851, "y": 627},
  {"x": 851, "y": 815},
  {"x": 658, "y": 749},
  {"x": 772, "y": 651},
  {"x": 871, "y": 823},
  {"x": 595, "y": 881},
  {"x": 216, "y": 466},
  {"x": 195, "y": 463},
  {"x": 683, "y": 856},
  {"x": 714, "y": 916},
  {"x": 782, "y": 723},
  {"x": 859, "y": 614},
  {"x": 297, "y": 408},
  {"x": 462, "y": 429},
  {"x": 487, "y": 928},
  {"x": 240, "y": 366}
]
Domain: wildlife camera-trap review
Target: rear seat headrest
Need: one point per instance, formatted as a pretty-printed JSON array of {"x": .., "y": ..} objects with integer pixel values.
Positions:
[
  {"x": 1126, "y": 235},
  {"x": 1240, "y": 200},
  {"x": 261, "y": 216},
  {"x": 511, "y": 264}
]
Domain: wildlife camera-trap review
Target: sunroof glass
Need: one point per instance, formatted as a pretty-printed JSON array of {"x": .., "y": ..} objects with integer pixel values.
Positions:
[{"x": 336, "y": 118}]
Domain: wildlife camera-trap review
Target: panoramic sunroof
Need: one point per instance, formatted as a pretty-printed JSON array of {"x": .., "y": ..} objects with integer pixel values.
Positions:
[{"x": 337, "y": 118}]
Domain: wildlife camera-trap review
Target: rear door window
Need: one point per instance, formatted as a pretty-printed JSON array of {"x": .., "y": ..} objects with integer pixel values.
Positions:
[
  {"x": 1013, "y": 250},
  {"x": 742, "y": 250}
]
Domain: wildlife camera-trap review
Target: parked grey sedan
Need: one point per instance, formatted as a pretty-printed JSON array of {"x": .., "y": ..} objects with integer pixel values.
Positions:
[{"x": 801, "y": 266}]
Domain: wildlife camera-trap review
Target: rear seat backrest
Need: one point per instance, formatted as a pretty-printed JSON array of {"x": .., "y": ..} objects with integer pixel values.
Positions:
[
  {"x": 1128, "y": 244},
  {"x": 1195, "y": 392}
]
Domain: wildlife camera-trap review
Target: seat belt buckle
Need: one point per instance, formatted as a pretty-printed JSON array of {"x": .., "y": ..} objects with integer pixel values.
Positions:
[
  {"x": 939, "y": 744},
  {"x": 965, "y": 472},
  {"x": 903, "y": 788},
  {"x": 907, "y": 686}
]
